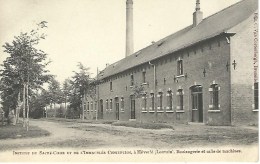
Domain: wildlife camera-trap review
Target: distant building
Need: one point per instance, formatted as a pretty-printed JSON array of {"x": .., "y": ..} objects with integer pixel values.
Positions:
[{"x": 203, "y": 73}]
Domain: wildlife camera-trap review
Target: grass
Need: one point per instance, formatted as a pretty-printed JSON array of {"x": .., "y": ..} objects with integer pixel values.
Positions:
[
  {"x": 80, "y": 121},
  {"x": 135, "y": 124},
  {"x": 18, "y": 131}
]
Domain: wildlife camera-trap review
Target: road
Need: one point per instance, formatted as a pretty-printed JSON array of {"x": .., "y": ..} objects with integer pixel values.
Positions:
[{"x": 86, "y": 135}]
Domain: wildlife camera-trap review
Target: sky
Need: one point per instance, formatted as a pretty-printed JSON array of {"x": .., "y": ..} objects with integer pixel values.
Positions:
[{"x": 93, "y": 31}]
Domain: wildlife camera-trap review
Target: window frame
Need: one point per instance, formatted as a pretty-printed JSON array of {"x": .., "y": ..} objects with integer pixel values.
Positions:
[
  {"x": 180, "y": 99},
  {"x": 214, "y": 97},
  {"x": 169, "y": 100},
  {"x": 180, "y": 71}
]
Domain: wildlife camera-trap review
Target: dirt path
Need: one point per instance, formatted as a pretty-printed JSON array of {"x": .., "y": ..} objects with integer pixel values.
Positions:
[
  {"x": 86, "y": 135},
  {"x": 82, "y": 135},
  {"x": 58, "y": 132}
]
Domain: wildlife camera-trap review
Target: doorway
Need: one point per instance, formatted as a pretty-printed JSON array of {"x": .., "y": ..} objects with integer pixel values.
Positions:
[
  {"x": 197, "y": 104},
  {"x": 101, "y": 109},
  {"x": 132, "y": 107},
  {"x": 117, "y": 108}
]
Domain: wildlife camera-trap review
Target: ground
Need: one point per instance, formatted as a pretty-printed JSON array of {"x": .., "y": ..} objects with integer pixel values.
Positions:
[{"x": 92, "y": 135}]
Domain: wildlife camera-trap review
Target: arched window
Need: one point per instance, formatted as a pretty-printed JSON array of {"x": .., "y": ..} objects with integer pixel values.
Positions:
[
  {"x": 122, "y": 103},
  {"x": 179, "y": 67},
  {"x": 132, "y": 80},
  {"x": 180, "y": 99},
  {"x": 214, "y": 97},
  {"x": 144, "y": 104},
  {"x": 160, "y": 101},
  {"x": 111, "y": 104},
  {"x": 169, "y": 100},
  {"x": 152, "y": 101},
  {"x": 107, "y": 107},
  {"x": 88, "y": 107}
]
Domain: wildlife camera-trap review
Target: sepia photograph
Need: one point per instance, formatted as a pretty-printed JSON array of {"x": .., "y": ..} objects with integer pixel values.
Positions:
[{"x": 129, "y": 81}]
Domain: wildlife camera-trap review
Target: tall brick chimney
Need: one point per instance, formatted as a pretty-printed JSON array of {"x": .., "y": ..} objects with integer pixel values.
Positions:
[
  {"x": 197, "y": 15},
  {"x": 129, "y": 28}
]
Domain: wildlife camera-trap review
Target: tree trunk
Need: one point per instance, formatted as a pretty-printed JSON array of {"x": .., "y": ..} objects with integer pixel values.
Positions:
[
  {"x": 17, "y": 109},
  {"x": 24, "y": 104},
  {"x": 54, "y": 110},
  {"x": 28, "y": 109},
  {"x": 65, "y": 106}
]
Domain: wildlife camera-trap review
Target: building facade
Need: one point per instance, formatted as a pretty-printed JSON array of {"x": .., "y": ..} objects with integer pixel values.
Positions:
[{"x": 204, "y": 73}]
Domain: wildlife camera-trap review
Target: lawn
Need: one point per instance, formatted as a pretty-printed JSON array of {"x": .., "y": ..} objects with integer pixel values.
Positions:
[
  {"x": 11, "y": 131},
  {"x": 52, "y": 119},
  {"x": 136, "y": 124}
]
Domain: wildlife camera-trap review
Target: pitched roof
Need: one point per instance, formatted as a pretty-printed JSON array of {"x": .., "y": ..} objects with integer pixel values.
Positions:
[{"x": 210, "y": 27}]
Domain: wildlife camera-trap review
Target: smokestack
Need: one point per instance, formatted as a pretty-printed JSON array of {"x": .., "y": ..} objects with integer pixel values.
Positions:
[
  {"x": 197, "y": 15},
  {"x": 129, "y": 28}
]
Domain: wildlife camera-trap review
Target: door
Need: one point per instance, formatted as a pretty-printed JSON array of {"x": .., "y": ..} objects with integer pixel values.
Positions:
[
  {"x": 197, "y": 103},
  {"x": 117, "y": 108},
  {"x": 101, "y": 109},
  {"x": 132, "y": 107}
]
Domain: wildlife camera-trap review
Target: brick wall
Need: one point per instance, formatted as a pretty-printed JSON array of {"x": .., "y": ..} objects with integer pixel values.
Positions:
[
  {"x": 211, "y": 56},
  {"x": 242, "y": 77}
]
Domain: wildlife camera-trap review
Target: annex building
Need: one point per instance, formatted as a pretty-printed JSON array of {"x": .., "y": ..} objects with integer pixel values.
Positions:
[{"x": 205, "y": 73}]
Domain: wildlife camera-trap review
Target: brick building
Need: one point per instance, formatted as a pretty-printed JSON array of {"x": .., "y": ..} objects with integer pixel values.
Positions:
[{"x": 206, "y": 73}]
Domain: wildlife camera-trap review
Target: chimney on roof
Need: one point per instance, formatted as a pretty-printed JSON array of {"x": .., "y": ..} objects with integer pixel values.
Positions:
[
  {"x": 197, "y": 15},
  {"x": 129, "y": 28}
]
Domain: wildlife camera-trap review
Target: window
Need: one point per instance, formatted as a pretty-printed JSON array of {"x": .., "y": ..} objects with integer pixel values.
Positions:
[
  {"x": 256, "y": 95},
  {"x": 144, "y": 73},
  {"x": 122, "y": 103},
  {"x": 179, "y": 68},
  {"x": 95, "y": 106},
  {"x": 144, "y": 102},
  {"x": 111, "y": 86},
  {"x": 169, "y": 100},
  {"x": 132, "y": 80},
  {"x": 92, "y": 106},
  {"x": 107, "y": 105},
  {"x": 160, "y": 100},
  {"x": 152, "y": 101},
  {"x": 88, "y": 107},
  {"x": 180, "y": 99},
  {"x": 111, "y": 104},
  {"x": 214, "y": 97}
]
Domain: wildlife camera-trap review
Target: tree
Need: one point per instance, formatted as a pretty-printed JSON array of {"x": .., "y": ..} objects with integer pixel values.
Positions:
[
  {"x": 66, "y": 89},
  {"x": 80, "y": 85},
  {"x": 54, "y": 93},
  {"x": 138, "y": 92},
  {"x": 24, "y": 71}
]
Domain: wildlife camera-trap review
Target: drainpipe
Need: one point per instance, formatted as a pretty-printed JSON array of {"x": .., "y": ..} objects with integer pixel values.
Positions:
[{"x": 155, "y": 97}]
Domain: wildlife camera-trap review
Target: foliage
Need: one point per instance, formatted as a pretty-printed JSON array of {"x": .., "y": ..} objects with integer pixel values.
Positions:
[
  {"x": 80, "y": 86},
  {"x": 25, "y": 66},
  {"x": 55, "y": 91},
  {"x": 138, "y": 90}
]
